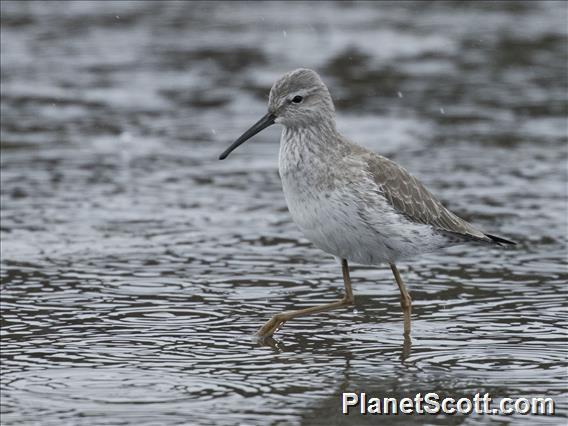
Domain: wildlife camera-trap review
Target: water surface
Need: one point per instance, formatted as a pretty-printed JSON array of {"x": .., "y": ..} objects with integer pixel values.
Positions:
[{"x": 136, "y": 266}]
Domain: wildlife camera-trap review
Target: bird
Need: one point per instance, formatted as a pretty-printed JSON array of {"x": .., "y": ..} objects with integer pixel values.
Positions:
[{"x": 349, "y": 201}]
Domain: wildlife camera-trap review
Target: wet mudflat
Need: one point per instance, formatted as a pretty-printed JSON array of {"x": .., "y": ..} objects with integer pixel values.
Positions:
[{"x": 136, "y": 266}]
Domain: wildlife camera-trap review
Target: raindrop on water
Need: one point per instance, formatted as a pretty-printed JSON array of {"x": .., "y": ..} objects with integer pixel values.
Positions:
[
  {"x": 125, "y": 142},
  {"x": 125, "y": 138}
]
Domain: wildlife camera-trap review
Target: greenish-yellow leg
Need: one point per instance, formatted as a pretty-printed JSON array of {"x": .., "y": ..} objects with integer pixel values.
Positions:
[
  {"x": 278, "y": 320},
  {"x": 405, "y": 300}
]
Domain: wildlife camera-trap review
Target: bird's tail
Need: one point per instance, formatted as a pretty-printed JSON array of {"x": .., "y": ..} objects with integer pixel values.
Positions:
[{"x": 500, "y": 241}]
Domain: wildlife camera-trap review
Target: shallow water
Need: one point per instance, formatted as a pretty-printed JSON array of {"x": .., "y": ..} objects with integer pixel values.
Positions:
[{"x": 136, "y": 266}]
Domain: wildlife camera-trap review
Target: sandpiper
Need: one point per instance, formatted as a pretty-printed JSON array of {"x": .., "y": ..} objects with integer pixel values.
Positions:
[{"x": 348, "y": 201}]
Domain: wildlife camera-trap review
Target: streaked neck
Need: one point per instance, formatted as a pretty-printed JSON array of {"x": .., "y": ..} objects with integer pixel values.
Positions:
[{"x": 319, "y": 136}]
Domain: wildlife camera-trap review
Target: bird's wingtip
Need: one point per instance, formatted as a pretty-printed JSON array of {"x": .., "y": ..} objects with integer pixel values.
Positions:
[{"x": 501, "y": 241}]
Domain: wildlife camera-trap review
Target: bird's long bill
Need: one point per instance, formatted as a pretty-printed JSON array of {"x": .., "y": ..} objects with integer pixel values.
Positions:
[{"x": 263, "y": 123}]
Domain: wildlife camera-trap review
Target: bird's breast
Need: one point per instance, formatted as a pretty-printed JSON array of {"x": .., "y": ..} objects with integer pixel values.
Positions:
[
  {"x": 320, "y": 200},
  {"x": 341, "y": 209},
  {"x": 307, "y": 177}
]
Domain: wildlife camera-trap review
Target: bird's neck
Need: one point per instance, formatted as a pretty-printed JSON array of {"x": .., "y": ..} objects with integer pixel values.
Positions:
[
  {"x": 316, "y": 139},
  {"x": 313, "y": 148}
]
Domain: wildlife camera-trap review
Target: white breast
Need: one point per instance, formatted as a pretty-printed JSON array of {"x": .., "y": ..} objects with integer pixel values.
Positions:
[{"x": 341, "y": 210}]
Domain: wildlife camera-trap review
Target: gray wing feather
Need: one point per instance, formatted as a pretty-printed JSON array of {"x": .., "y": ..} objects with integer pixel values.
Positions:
[{"x": 407, "y": 195}]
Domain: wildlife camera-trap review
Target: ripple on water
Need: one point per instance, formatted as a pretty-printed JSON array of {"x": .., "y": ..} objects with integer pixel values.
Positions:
[
  {"x": 127, "y": 392},
  {"x": 136, "y": 267}
]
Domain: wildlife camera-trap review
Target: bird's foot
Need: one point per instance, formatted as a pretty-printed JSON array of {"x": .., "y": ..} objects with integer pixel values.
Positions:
[{"x": 271, "y": 326}]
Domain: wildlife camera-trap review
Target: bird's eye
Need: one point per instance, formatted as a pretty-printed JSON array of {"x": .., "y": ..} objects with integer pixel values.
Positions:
[{"x": 297, "y": 99}]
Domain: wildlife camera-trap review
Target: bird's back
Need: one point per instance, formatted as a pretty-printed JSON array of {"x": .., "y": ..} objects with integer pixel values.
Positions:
[{"x": 413, "y": 200}]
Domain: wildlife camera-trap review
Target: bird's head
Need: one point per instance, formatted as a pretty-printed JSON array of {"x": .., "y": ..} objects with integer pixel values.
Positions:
[
  {"x": 297, "y": 99},
  {"x": 300, "y": 99}
]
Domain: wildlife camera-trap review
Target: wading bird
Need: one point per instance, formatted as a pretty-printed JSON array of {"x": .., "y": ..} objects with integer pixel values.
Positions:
[{"x": 348, "y": 201}]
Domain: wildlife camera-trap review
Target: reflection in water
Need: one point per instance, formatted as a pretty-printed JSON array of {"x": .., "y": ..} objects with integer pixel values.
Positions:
[
  {"x": 406, "y": 347},
  {"x": 278, "y": 346},
  {"x": 135, "y": 270}
]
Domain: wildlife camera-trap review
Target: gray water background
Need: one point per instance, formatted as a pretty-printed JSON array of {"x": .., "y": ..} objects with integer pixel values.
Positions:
[{"x": 136, "y": 266}]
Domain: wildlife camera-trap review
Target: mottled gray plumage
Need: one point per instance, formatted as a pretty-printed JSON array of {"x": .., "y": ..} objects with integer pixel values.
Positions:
[
  {"x": 403, "y": 191},
  {"x": 347, "y": 200},
  {"x": 411, "y": 198}
]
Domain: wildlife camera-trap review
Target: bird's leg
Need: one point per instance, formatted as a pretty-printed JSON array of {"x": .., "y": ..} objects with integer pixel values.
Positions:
[
  {"x": 278, "y": 320},
  {"x": 405, "y": 300}
]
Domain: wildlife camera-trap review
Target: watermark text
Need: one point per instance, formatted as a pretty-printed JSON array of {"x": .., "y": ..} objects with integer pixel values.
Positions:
[{"x": 433, "y": 403}]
